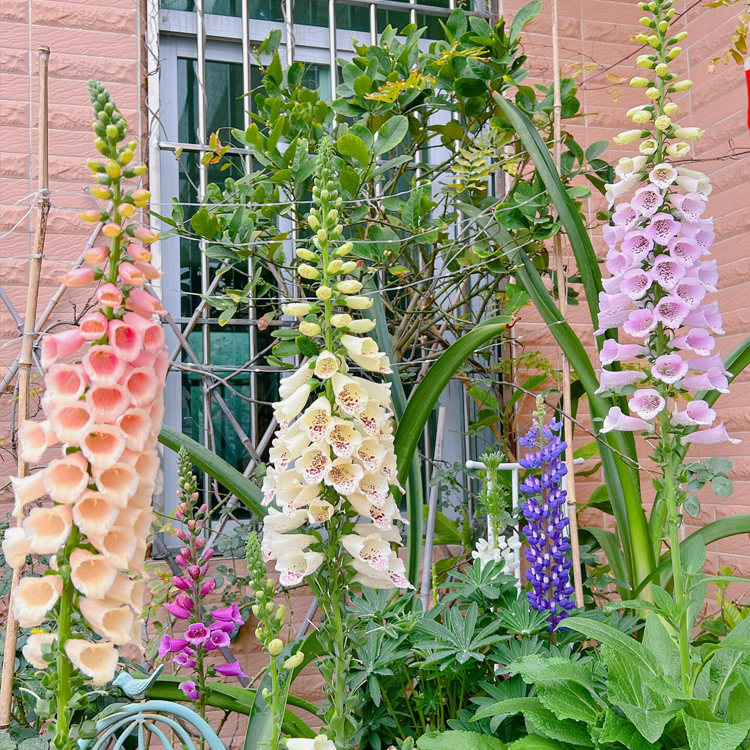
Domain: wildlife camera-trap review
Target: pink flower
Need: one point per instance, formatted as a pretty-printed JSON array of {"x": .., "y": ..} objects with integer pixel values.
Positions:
[
  {"x": 197, "y": 633},
  {"x": 697, "y": 412},
  {"x": 713, "y": 435},
  {"x": 698, "y": 340},
  {"x": 625, "y": 216},
  {"x": 667, "y": 272},
  {"x": 218, "y": 639},
  {"x": 609, "y": 381},
  {"x": 183, "y": 661},
  {"x": 639, "y": 323},
  {"x": 647, "y": 200},
  {"x": 612, "y": 351},
  {"x": 662, "y": 228},
  {"x": 712, "y": 380},
  {"x": 144, "y": 304},
  {"x": 130, "y": 274},
  {"x": 706, "y": 316},
  {"x": 190, "y": 690},
  {"x": 228, "y": 614},
  {"x": 109, "y": 295},
  {"x": 638, "y": 245},
  {"x": 615, "y": 320},
  {"x": 671, "y": 311},
  {"x": 616, "y": 420},
  {"x": 59, "y": 346},
  {"x": 138, "y": 252},
  {"x": 613, "y": 303},
  {"x": 233, "y": 669},
  {"x": 704, "y": 364},
  {"x": 691, "y": 292},
  {"x": 144, "y": 234},
  {"x": 93, "y": 326},
  {"x": 684, "y": 250},
  {"x": 617, "y": 263},
  {"x": 78, "y": 277},
  {"x": 647, "y": 403},
  {"x": 635, "y": 283},
  {"x": 612, "y": 235},
  {"x": 148, "y": 270},
  {"x": 171, "y": 645},
  {"x": 177, "y": 611},
  {"x": 208, "y": 586},
  {"x": 97, "y": 256},
  {"x": 707, "y": 274},
  {"x": 690, "y": 206},
  {"x": 669, "y": 368},
  {"x": 185, "y": 602}
]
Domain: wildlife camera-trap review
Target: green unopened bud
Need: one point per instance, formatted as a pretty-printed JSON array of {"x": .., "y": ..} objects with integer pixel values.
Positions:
[
  {"x": 94, "y": 166},
  {"x": 304, "y": 254},
  {"x": 333, "y": 216},
  {"x": 674, "y": 52},
  {"x": 663, "y": 26},
  {"x": 336, "y": 231},
  {"x": 628, "y": 136},
  {"x": 125, "y": 157},
  {"x": 670, "y": 108},
  {"x": 281, "y": 613},
  {"x": 681, "y": 37},
  {"x": 646, "y": 21},
  {"x": 643, "y": 6},
  {"x": 653, "y": 40},
  {"x": 270, "y": 584},
  {"x": 344, "y": 249},
  {"x": 256, "y": 610},
  {"x": 113, "y": 131},
  {"x": 638, "y": 82},
  {"x": 275, "y": 647},
  {"x": 260, "y": 594},
  {"x": 683, "y": 85},
  {"x": 662, "y": 69},
  {"x": 653, "y": 93},
  {"x": 325, "y": 195},
  {"x": 259, "y": 633},
  {"x": 270, "y": 606},
  {"x": 294, "y": 661},
  {"x": 101, "y": 145},
  {"x": 644, "y": 61},
  {"x": 323, "y": 292},
  {"x": 139, "y": 170},
  {"x": 266, "y": 694},
  {"x": 313, "y": 223}
]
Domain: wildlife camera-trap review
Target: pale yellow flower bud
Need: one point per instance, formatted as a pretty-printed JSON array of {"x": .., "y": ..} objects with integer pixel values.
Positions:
[
  {"x": 100, "y": 192},
  {"x": 322, "y": 235},
  {"x": 323, "y": 292},
  {"x": 662, "y": 123},
  {"x": 309, "y": 329},
  {"x": 294, "y": 661},
  {"x": 113, "y": 169},
  {"x": 670, "y": 108},
  {"x": 642, "y": 38},
  {"x": 653, "y": 40},
  {"x": 641, "y": 117},
  {"x": 648, "y": 147},
  {"x": 639, "y": 82},
  {"x": 297, "y": 309},
  {"x": 678, "y": 149},
  {"x": 645, "y": 21},
  {"x": 663, "y": 26},
  {"x": 308, "y": 272},
  {"x": 653, "y": 93},
  {"x": 335, "y": 266},
  {"x": 644, "y": 61},
  {"x": 688, "y": 134},
  {"x": 313, "y": 223},
  {"x": 628, "y": 136},
  {"x": 349, "y": 286},
  {"x": 358, "y": 303},
  {"x": 344, "y": 249},
  {"x": 349, "y": 266},
  {"x": 304, "y": 254},
  {"x": 683, "y": 85},
  {"x": 126, "y": 210},
  {"x": 662, "y": 69},
  {"x": 362, "y": 326},
  {"x": 341, "y": 320}
]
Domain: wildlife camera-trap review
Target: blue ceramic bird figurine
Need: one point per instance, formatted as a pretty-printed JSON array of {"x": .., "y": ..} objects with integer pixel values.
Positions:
[{"x": 136, "y": 689}]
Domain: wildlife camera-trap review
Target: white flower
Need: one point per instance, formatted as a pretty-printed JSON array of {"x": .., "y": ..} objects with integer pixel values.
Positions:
[
  {"x": 294, "y": 566},
  {"x": 291, "y": 383},
  {"x": 47, "y": 529},
  {"x": 277, "y": 543},
  {"x": 110, "y": 622},
  {"x": 317, "y": 419},
  {"x": 33, "y": 599},
  {"x": 97, "y": 661},
  {"x": 361, "y": 326},
  {"x": 351, "y": 398},
  {"x": 326, "y": 365},
  {"x": 321, "y": 742},
  {"x": 279, "y": 522},
  {"x": 15, "y": 546},
  {"x": 364, "y": 351},
  {"x": 32, "y": 649},
  {"x": 375, "y": 488},
  {"x": 287, "y": 449},
  {"x": 313, "y": 464},
  {"x": 663, "y": 175},
  {"x": 372, "y": 550},
  {"x": 394, "y": 576},
  {"x": 297, "y": 309},
  {"x": 344, "y": 476},
  {"x": 358, "y": 302},
  {"x": 343, "y": 438},
  {"x": 383, "y": 517},
  {"x": 320, "y": 511},
  {"x": 627, "y": 166},
  {"x": 285, "y": 411},
  {"x": 371, "y": 453}
]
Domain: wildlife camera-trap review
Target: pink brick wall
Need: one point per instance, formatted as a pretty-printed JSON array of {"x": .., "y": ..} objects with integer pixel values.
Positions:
[{"x": 88, "y": 39}]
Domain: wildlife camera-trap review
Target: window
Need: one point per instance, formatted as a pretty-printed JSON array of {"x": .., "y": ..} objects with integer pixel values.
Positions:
[{"x": 220, "y": 390}]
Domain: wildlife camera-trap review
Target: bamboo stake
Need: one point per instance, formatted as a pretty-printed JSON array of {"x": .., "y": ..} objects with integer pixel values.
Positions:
[
  {"x": 26, "y": 360},
  {"x": 562, "y": 298}
]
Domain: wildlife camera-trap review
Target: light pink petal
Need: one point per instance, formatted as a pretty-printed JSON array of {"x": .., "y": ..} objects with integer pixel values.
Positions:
[
  {"x": 635, "y": 283},
  {"x": 607, "y": 321},
  {"x": 103, "y": 445},
  {"x": 624, "y": 216},
  {"x": 609, "y": 380},
  {"x": 647, "y": 200},
  {"x": 70, "y": 420},
  {"x": 616, "y": 420},
  {"x": 669, "y": 368},
  {"x": 637, "y": 245},
  {"x": 65, "y": 381},
  {"x": 108, "y": 403},
  {"x": 612, "y": 351},
  {"x": 691, "y": 292},
  {"x": 103, "y": 365},
  {"x": 142, "y": 385},
  {"x": 639, "y": 323},
  {"x": 667, "y": 272},
  {"x": 698, "y": 340},
  {"x": 60, "y": 346},
  {"x": 684, "y": 250},
  {"x": 704, "y": 364},
  {"x": 712, "y": 380},
  {"x": 94, "y": 326},
  {"x": 697, "y": 412},
  {"x": 671, "y": 311},
  {"x": 713, "y": 435},
  {"x": 126, "y": 339},
  {"x": 662, "y": 228},
  {"x": 647, "y": 403}
]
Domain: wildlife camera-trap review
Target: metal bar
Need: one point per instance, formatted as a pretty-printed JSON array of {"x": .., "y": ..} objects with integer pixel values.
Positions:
[
  {"x": 373, "y": 24},
  {"x": 246, "y": 80},
  {"x": 332, "y": 48},
  {"x": 424, "y": 593},
  {"x": 289, "y": 30},
  {"x": 26, "y": 359}
]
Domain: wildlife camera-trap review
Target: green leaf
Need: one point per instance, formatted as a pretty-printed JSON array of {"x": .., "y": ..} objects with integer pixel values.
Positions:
[
  {"x": 596, "y": 149},
  {"x": 424, "y": 397},
  {"x": 567, "y": 700},
  {"x": 659, "y": 642},
  {"x": 6, "y": 741},
  {"x": 391, "y": 134},
  {"x": 205, "y": 224},
  {"x": 523, "y": 17},
  {"x": 712, "y": 735},
  {"x": 362, "y": 85},
  {"x": 459, "y": 740},
  {"x": 517, "y": 297},
  {"x": 617, "y": 729},
  {"x": 247, "y": 493},
  {"x": 722, "y": 486},
  {"x": 508, "y": 707},
  {"x": 535, "y": 742},
  {"x": 469, "y": 87},
  {"x": 610, "y": 544},
  {"x": 352, "y": 145}
]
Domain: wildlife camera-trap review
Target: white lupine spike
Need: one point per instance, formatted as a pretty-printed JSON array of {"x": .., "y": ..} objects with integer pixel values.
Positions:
[
  {"x": 316, "y": 419},
  {"x": 343, "y": 438},
  {"x": 351, "y": 398},
  {"x": 313, "y": 465},
  {"x": 344, "y": 476},
  {"x": 375, "y": 488},
  {"x": 326, "y": 365}
]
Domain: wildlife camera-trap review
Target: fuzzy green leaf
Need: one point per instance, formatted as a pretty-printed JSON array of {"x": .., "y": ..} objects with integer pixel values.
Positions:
[{"x": 714, "y": 735}]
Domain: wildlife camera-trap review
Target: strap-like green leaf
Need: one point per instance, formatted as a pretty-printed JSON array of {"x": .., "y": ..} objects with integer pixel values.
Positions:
[{"x": 247, "y": 493}]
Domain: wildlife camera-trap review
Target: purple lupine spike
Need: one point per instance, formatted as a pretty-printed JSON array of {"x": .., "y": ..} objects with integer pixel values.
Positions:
[{"x": 544, "y": 509}]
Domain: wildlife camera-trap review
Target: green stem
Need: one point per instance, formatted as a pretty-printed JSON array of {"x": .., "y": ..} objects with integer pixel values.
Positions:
[{"x": 64, "y": 671}]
